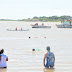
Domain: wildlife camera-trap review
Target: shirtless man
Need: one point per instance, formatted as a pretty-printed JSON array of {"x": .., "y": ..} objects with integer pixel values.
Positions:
[{"x": 50, "y": 58}]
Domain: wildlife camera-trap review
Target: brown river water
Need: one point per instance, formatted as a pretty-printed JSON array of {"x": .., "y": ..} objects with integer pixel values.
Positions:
[{"x": 18, "y": 47}]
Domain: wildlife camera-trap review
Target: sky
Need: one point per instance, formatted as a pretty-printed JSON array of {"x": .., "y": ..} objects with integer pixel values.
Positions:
[{"x": 23, "y": 9}]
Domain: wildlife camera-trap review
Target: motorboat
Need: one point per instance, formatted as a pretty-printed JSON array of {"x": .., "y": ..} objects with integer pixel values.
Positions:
[
  {"x": 39, "y": 26},
  {"x": 66, "y": 24}
]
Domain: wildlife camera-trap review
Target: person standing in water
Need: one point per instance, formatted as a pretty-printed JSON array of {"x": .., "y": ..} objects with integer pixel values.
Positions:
[
  {"x": 50, "y": 58},
  {"x": 3, "y": 59},
  {"x": 16, "y": 28},
  {"x": 21, "y": 28}
]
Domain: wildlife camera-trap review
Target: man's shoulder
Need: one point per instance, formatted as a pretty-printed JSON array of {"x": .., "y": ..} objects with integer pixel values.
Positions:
[
  {"x": 52, "y": 52},
  {"x": 3, "y": 54},
  {"x": 46, "y": 54}
]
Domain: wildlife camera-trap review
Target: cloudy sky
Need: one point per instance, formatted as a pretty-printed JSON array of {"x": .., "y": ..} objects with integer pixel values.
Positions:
[{"x": 22, "y": 9}]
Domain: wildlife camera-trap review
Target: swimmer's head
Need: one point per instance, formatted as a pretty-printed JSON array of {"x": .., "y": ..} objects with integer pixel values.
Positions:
[
  {"x": 33, "y": 49},
  {"x": 48, "y": 48}
]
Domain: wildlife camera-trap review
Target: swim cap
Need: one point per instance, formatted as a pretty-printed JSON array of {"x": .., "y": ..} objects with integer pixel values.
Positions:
[{"x": 48, "y": 48}]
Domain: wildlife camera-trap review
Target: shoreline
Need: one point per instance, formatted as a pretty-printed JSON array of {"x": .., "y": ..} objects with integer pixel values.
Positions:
[{"x": 31, "y": 21}]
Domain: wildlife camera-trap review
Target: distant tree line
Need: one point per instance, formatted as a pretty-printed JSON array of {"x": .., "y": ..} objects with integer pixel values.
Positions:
[
  {"x": 43, "y": 19},
  {"x": 48, "y": 19}
]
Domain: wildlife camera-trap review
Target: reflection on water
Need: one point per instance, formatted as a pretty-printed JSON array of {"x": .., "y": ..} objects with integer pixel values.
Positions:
[
  {"x": 48, "y": 70},
  {"x": 3, "y": 70}
]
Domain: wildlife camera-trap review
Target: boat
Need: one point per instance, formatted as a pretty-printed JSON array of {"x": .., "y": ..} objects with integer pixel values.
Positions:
[
  {"x": 18, "y": 30},
  {"x": 39, "y": 26},
  {"x": 65, "y": 24}
]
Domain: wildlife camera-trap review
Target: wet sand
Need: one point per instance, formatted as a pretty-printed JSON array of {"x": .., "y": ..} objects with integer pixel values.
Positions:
[{"x": 18, "y": 47}]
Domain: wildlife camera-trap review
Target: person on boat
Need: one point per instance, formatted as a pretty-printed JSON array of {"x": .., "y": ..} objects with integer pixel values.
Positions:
[
  {"x": 36, "y": 24},
  {"x": 16, "y": 28},
  {"x": 50, "y": 58},
  {"x": 42, "y": 24},
  {"x": 3, "y": 59},
  {"x": 21, "y": 28},
  {"x": 70, "y": 22}
]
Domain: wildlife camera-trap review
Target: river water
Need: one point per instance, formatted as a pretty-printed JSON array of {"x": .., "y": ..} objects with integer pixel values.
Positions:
[{"x": 18, "y": 47}]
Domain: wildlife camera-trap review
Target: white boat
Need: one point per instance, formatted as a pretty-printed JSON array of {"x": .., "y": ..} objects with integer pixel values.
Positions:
[
  {"x": 39, "y": 26},
  {"x": 66, "y": 24},
  {"x": 18, "y": 30}
]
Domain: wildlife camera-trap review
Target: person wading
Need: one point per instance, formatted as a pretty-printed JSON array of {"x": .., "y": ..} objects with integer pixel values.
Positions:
[
  {"x": 50, "y": 58},
  {"x": 3, "y": 59}
]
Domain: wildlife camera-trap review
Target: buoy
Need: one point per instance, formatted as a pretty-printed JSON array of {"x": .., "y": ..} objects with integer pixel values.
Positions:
[
  {"x": 29, "y": 37},
  {"x": 44, "y": 37}
]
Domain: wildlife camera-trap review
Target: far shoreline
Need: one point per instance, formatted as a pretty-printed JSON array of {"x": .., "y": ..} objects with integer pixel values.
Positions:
[{"x": 30, "y": 21}]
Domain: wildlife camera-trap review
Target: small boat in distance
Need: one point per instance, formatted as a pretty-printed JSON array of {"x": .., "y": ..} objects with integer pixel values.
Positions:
[
  {"x": 65, "y": 24},
  {"x": 39, "y": 26}
]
